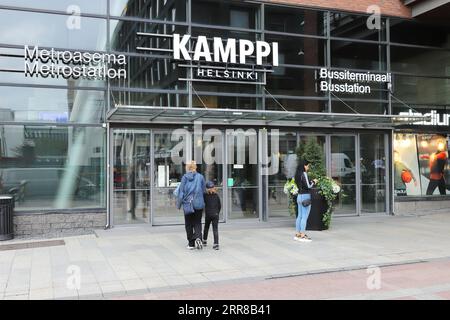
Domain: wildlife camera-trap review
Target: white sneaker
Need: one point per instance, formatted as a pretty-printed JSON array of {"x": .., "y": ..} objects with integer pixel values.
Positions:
[
  {"x": 199, "y": 244},
  {"x": 190, "y": 248}
]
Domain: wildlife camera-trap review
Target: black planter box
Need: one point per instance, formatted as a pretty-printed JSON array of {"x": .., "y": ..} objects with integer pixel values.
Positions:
[{"x": 318, "y": 208}]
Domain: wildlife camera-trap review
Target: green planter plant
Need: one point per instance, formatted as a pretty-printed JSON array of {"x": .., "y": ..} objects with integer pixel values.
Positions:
[{"x": 328, "y": 188}]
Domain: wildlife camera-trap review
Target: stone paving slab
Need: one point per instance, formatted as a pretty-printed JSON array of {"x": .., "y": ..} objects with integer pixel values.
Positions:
[
  {"x": 397, "y": 283},
  {"x": 148, "y": 259}
]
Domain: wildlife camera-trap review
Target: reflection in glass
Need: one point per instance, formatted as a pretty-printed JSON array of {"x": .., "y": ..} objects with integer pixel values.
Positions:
[
  {"x": 174, "y": 10},
  {"x": 51, "y": 105},
  {"x": 167, "y": 176},
  {"x": 52, "y": 167},
  {"x": 373, "y": 173},
  {"x": 355, "y": 55},
  {"x": 226, "y": 13},
  {"x": 29, "y": 29},
  {"x": 242, "y": 180},
  {"x": 343, "y": 171},
  {"x": 278, "y": 201},
  {"x": 343, "y": 25},
  {"x": 81, "y": 6},
  {"x": 292, "y": 20}
]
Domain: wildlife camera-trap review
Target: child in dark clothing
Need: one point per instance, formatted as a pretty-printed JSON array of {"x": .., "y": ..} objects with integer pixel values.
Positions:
[{"x": 212, "y": 209}]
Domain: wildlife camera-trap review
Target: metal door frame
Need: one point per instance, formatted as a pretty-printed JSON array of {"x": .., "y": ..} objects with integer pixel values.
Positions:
[{"x": 110, "y": 168}]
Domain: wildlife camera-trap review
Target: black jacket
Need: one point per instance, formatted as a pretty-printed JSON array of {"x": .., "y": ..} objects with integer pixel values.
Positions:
[
  {"x": 303, "y": 183},
  {"x": 212, "y": 204}
]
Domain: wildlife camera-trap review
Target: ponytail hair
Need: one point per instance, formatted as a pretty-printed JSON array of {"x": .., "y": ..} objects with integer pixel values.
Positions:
[{"x": 300, "y": 170}]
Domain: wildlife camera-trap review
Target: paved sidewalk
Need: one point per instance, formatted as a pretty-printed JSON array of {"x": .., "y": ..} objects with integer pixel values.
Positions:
[
  {"x": 139, "y": 260},
  {"x": 416, "y": 281}
]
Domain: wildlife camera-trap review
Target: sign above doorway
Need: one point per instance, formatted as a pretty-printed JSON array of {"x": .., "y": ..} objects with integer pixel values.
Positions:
[{"x": 218, "y": 60}]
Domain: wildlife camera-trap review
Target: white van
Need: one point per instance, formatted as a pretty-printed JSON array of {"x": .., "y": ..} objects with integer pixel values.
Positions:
[{"x": 341, "y": 165}]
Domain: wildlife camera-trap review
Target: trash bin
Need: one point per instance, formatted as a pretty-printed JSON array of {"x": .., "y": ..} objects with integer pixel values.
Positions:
[{"x": 6, "y": 217}]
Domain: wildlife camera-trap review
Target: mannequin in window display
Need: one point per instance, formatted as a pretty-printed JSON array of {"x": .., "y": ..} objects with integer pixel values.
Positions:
[
  {"x": 437, "y": 164},
  {"x": 402, "y": 175}
]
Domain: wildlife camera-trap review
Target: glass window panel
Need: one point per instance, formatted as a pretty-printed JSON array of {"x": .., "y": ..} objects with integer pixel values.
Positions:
[
  {"x": 420, "y": 61},
  {"x": 150, "y": 72},
  {"x": 123, "y": 37},
  {"x": 345, "y": 25},
  {"x": 343, "y": 171},
  {"x": 53, "y": 167},
  {"x": 421, "y": 90},
  {"x": 296, "y": 105},
  {"x": 411, "y": 32},
  {"x": 131, "y": 169},
  {"x": 299, "y": 51},
  {"x": 174, "y": 10},
  {"x": 12, "y": 71},
  {"x": 373, "y": 173},
  {"x": 226, "y": 13},
  {"x": 27, "y": 28},
  {"x": 69, "y": 6},
  {"x": 293, "y": 82},
  {"x": 214, "y": 101},
  {"x": 359, "y": 106},
  {"x": 293, "y": 20},
  {"x": 353, "y": 55},
  {"x": 51, "y": 105},
  {"x": 421, "y": 164}
]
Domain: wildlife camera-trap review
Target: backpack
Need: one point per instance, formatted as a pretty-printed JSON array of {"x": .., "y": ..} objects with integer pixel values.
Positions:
[
  {"x": 188, "y": 201},
  {"x": 188, "y": 204}
]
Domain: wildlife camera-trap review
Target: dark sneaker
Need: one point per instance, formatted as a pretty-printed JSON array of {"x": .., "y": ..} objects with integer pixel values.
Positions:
[
  {"x": 199, "y": 244},
  {"x": 216, "y": 247}
]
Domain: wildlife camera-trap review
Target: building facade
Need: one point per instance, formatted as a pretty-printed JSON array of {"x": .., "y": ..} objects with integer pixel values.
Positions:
[{"x": 103, "y": 101}]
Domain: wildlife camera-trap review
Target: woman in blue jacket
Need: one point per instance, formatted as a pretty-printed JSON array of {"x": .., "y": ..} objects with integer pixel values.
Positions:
[{"x": 190, "y": 198}]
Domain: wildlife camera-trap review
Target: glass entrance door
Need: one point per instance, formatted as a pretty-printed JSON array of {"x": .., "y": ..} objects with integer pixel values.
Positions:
[
  {"x": 373, "y": 173},
  {"x": 131, "y": 176},
  {"x": 343, "y": 170},
  {"x": 243, "y": 174},
  {"x": 166, "y": 177}
]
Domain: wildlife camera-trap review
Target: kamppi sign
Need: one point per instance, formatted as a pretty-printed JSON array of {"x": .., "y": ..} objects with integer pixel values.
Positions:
[
  {"x": 73, "y": 65},
  {"x": 222, "y": 60}
]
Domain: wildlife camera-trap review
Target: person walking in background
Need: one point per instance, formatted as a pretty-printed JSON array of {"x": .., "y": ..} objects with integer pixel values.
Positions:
[
  {"x": 190, "y": 198},
  {"x": 303, "y": 200},
  {"x": 212, "y": 210}
]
